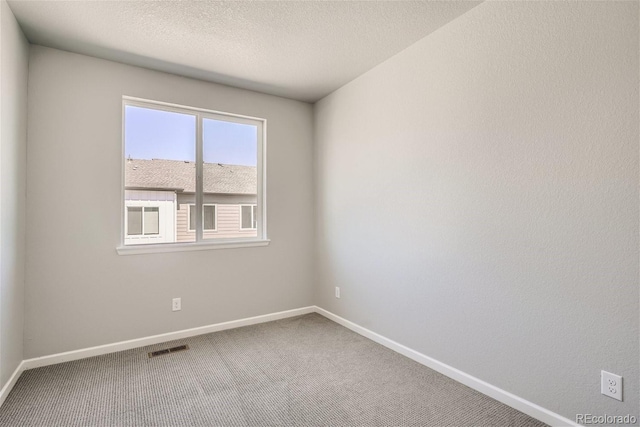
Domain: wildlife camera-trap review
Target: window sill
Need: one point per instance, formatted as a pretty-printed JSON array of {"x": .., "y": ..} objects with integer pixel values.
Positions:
[{"x": 186, "y": 247}]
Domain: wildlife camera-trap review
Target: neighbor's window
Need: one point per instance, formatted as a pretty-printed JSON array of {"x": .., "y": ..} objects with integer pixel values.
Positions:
[
  {"x": 248, "y": 213},
  {"x": 142, "y": 221},
  {"x": 191, "y": 175},
  {"x": 208, "y": 214}
]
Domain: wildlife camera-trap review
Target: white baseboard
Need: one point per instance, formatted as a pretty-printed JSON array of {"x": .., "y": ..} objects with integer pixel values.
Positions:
[
  {"x": 12, "y": 381},
  {"x": 500, "y": 395},
  {"x": 157, "y": 339},
  {"x": 483, "y": 387}
]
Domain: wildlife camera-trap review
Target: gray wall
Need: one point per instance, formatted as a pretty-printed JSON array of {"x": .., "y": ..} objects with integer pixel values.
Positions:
[
  {"x": 477, "y": 199},
  {"x": 80, "y": 293},
  {"x": 14, "y": 52}
]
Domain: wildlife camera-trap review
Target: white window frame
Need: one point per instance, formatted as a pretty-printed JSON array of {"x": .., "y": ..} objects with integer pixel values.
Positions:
[
  {"x": 143, "y": 207},
  {"x": 215, "y": 217},
  {"x": 200, "y": 244},
  {"x": 252, "y": 216}
]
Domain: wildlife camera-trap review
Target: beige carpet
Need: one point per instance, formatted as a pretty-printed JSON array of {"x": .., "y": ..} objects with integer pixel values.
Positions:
[{"x": 302, "y": 371}]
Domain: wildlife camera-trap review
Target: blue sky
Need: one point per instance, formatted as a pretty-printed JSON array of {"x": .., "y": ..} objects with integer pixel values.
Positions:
[{"x": 156, "y": 134}]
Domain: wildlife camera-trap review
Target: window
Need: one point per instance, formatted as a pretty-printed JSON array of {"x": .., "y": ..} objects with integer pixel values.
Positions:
[
  {"x": 186, "y": 169},
  {"x": 143, "y": 221},
  {"x": 248, "y": 220},
  {"x": 208, "y": 214},
  {"x": 134, "y": 221}
]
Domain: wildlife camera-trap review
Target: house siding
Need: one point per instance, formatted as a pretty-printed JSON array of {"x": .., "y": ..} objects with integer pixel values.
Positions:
[
  {"x": 228, "y": 217},
  {"x": 228, "y": 222}
]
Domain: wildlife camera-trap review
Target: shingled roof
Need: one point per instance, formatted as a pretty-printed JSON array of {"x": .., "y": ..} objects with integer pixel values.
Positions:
[{"x": 158, "y": 174}]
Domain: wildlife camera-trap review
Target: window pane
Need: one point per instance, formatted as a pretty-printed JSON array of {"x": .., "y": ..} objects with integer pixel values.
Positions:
[
  {"x": 230, "y": 178},
  {"x": 134, "y": 221},
  {"x": 160, "y": 148},
  {"x": 246, "y": 217},
  {"x": 255, "y": 216},
  {"x": 151, "y": 221},
  {"x": 192, "y": 217},
  {"x": 209, "y": 217}
]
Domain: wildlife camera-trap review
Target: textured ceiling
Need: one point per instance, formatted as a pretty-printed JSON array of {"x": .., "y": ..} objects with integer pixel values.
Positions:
[{"x": 297, "y": 49}]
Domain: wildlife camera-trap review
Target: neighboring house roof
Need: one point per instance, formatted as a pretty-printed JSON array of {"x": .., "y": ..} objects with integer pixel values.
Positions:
[{"x": 178, "y": 175}]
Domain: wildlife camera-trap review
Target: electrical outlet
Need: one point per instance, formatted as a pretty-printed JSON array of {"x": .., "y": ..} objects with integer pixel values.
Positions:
[
  {"x": 611, "y": 385},
  {"x": 337, "y": 292},
  {"x": 177, "y": 304}
]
